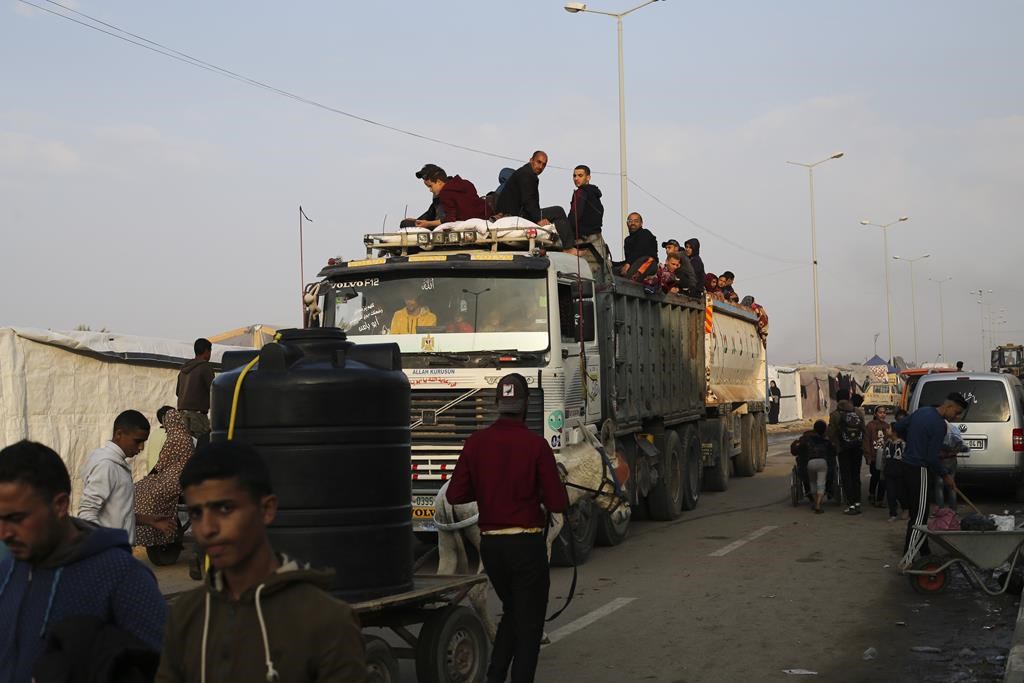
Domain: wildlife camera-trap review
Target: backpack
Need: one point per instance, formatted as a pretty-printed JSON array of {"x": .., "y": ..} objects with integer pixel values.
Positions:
[{"x": 851, "y": 429}]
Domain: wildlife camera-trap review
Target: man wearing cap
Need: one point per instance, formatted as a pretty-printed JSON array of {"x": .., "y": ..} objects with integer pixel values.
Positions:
[
  {"x": 510, "y": 472},
  {"x": 455, "y": 199},
  {"x": 924, "y": 432},
  {"x": 684, "y": 272}
]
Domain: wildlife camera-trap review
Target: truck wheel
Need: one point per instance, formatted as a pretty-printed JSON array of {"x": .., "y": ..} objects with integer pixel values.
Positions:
[
  {"x": 578, "y": 534},
  {"x": 693, "y": 470},
  {"x": 452, "y": 647},
  {"x": 381, "y": 664},
  {"x": 665, "y": 501},
  {"x": 716, "y": 477},
  {"x": 746, "y": 461},
  {"x": 609, "y": 532},
  {"x": 761, "y": 439}
]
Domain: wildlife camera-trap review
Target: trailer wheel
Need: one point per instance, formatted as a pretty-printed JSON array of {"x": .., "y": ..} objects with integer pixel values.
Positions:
[
  {"x": 761, "y": 439},
  {"x": 452, "y": 647},
  {"x": 746, "y": 461},
  {"x": 576, "y": 540},
  {"x": 716, "y": 477},
  {"x": 381, "y": 664},
  {"x": 693, "y": 471},
  {"x": 665, "y": 500}
]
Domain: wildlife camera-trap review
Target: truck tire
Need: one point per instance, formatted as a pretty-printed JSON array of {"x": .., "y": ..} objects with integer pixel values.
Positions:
[
  {"x": 608, "y": 532},
  {"x": 576, "y": 540},
  {"x": 693, "y": 470},
  {"x": 761, "y": 438},
  {"x": 665, "y": 501},
  {"x": 746, "y": 461},
  {"x": 716, "y": 477}
]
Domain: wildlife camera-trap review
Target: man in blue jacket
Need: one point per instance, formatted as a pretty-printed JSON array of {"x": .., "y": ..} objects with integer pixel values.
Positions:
[
  {"x": 62, "y": 567},
  {"x": 924, "y": 431}
]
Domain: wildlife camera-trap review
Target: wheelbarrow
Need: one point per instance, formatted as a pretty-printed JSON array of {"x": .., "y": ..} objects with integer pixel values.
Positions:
[{"x": 976, "y": 552}]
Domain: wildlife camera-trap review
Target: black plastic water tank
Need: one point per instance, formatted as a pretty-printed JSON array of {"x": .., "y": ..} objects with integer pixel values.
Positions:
[{"x": 331, "y": 419}]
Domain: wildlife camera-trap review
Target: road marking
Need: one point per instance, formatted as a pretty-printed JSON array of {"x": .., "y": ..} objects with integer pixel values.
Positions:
[
  {"x": 742, "y": 542},
  {"x": 586, "y": 620}
]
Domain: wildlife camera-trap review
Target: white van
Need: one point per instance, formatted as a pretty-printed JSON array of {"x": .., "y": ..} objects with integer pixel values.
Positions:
[{"x": 992, "y": 426}]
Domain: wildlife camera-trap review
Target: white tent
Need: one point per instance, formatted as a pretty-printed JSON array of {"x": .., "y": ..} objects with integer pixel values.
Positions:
[
  {"x": 788, "y": 381},
  {"x": 64, "y": 389}
]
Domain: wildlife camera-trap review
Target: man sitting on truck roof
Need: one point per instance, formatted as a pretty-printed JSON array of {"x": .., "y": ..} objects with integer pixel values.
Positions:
[
  {"x": 684, "y": 271},
  {"x": 581, "y": 230},
  {"x": 521, "y": 194},
  {"x": 455, "y": 198},
  {"x": 413, "y": 315},
  {"x": 641, "y": 249}
]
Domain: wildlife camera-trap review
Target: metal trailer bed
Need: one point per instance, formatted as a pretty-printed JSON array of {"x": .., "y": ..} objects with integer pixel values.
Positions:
[
  {"x": 452, "y": 644},
  {"x": 973, "y": 551}
]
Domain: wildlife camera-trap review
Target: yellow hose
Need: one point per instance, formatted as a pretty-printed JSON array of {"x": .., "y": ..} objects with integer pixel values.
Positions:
[{"x": 234, "y": 399}]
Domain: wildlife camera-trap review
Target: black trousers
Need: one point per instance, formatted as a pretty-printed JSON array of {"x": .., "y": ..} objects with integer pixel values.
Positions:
[
  {"x": 894, "y": 494},
  {"x": 876, "y": 485},
  {"x": 517, "y": 566},
  {"x": 849, "y": 472},
  {"x": 916, "y": 485}
]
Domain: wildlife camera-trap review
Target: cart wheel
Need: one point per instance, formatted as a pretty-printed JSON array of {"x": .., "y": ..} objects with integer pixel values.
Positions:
[
  {"x": 164, "y": 555},
  {"x": 929, "y": 584},
  {"x": 381, "y": 664},
  {"x": 452, "y": 647}
]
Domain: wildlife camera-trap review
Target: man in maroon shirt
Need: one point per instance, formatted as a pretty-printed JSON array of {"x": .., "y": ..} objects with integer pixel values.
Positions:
[{"x": 510, "y": 472}]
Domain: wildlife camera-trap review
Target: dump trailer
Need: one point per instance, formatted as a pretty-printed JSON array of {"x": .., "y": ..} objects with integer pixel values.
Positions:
[{"x": 673, "y": 386}]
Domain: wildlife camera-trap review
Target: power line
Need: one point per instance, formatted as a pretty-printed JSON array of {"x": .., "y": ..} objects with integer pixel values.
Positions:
[
  {"x": 159, "y": 48},
  {"x": 725, "y": 239}
]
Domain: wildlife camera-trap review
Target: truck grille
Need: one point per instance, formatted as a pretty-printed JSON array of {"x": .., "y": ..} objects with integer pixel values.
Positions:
[{"x": 439, "y": 432}]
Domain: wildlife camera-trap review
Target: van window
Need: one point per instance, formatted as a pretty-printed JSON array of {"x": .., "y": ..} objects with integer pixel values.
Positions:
[{"x": 988, "y": 399}]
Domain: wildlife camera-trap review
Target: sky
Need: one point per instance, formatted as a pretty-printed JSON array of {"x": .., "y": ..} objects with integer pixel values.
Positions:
[{"x": 148, "y": 196}]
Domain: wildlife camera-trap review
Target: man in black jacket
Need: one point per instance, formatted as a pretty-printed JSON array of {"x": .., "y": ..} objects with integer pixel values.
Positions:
[
  {"x": 640, "y": 247},
  {"x": 586, "y": 215},
  {"x": 521, "y": 194}
]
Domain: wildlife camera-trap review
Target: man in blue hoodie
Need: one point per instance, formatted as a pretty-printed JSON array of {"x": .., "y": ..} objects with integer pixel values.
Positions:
[
  {"x": 61, "y": 567},
  {"x": 925, "y": 430}
]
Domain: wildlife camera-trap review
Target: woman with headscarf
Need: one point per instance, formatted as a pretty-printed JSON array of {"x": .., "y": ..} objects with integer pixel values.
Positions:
[
  {"x": 692, "y": 249},
  {"x": 711, "y": 286},
  {"x": 157, "y": 493}
]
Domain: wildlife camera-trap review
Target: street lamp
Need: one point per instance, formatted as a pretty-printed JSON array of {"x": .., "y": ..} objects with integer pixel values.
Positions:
[
  {"x": 985, "y": 360},
  {"x": 885, "y": 246},
  {"x": 913, "y": 298},
  {"x": 575, "y": 8},
  {"x": 814, "y": 253},
  {"x": 942, "y": 326}
]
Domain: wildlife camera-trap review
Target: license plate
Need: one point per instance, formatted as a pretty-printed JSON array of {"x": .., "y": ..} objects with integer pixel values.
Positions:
[
  {"x": 975, "y": 444},
  {"x": 423, "y": 513}
]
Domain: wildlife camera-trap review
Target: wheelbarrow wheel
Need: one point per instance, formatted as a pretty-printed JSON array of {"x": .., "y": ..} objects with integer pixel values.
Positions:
[
  {"x": 931, "y": 583},
  {"x": 381, "y": 663}
]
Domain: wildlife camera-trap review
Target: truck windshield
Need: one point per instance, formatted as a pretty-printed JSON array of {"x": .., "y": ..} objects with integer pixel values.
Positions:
[{"x": 442, "y": 312}]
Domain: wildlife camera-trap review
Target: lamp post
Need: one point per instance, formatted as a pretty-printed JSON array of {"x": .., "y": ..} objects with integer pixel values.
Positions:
[
  {"x": 942, "y": 325},
  {"x": 885, "y": 256},
  {"x": 302, "y": 268},
  {"x": 814, "y": 253},
  {"x": 985, "y": 360},
  {"x": 575, "y": 8},
  {"x": 913, "y": 297}
]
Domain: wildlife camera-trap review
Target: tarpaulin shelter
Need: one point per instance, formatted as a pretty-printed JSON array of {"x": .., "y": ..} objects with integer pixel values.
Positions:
[{"x": 64, "y": 389}]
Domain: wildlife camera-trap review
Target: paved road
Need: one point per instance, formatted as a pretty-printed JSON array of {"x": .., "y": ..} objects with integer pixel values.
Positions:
[{"x": 747, "y": 586}]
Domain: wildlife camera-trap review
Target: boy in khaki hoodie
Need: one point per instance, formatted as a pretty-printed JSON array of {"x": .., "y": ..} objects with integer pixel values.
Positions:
[{"x": 262, "y": 616}]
